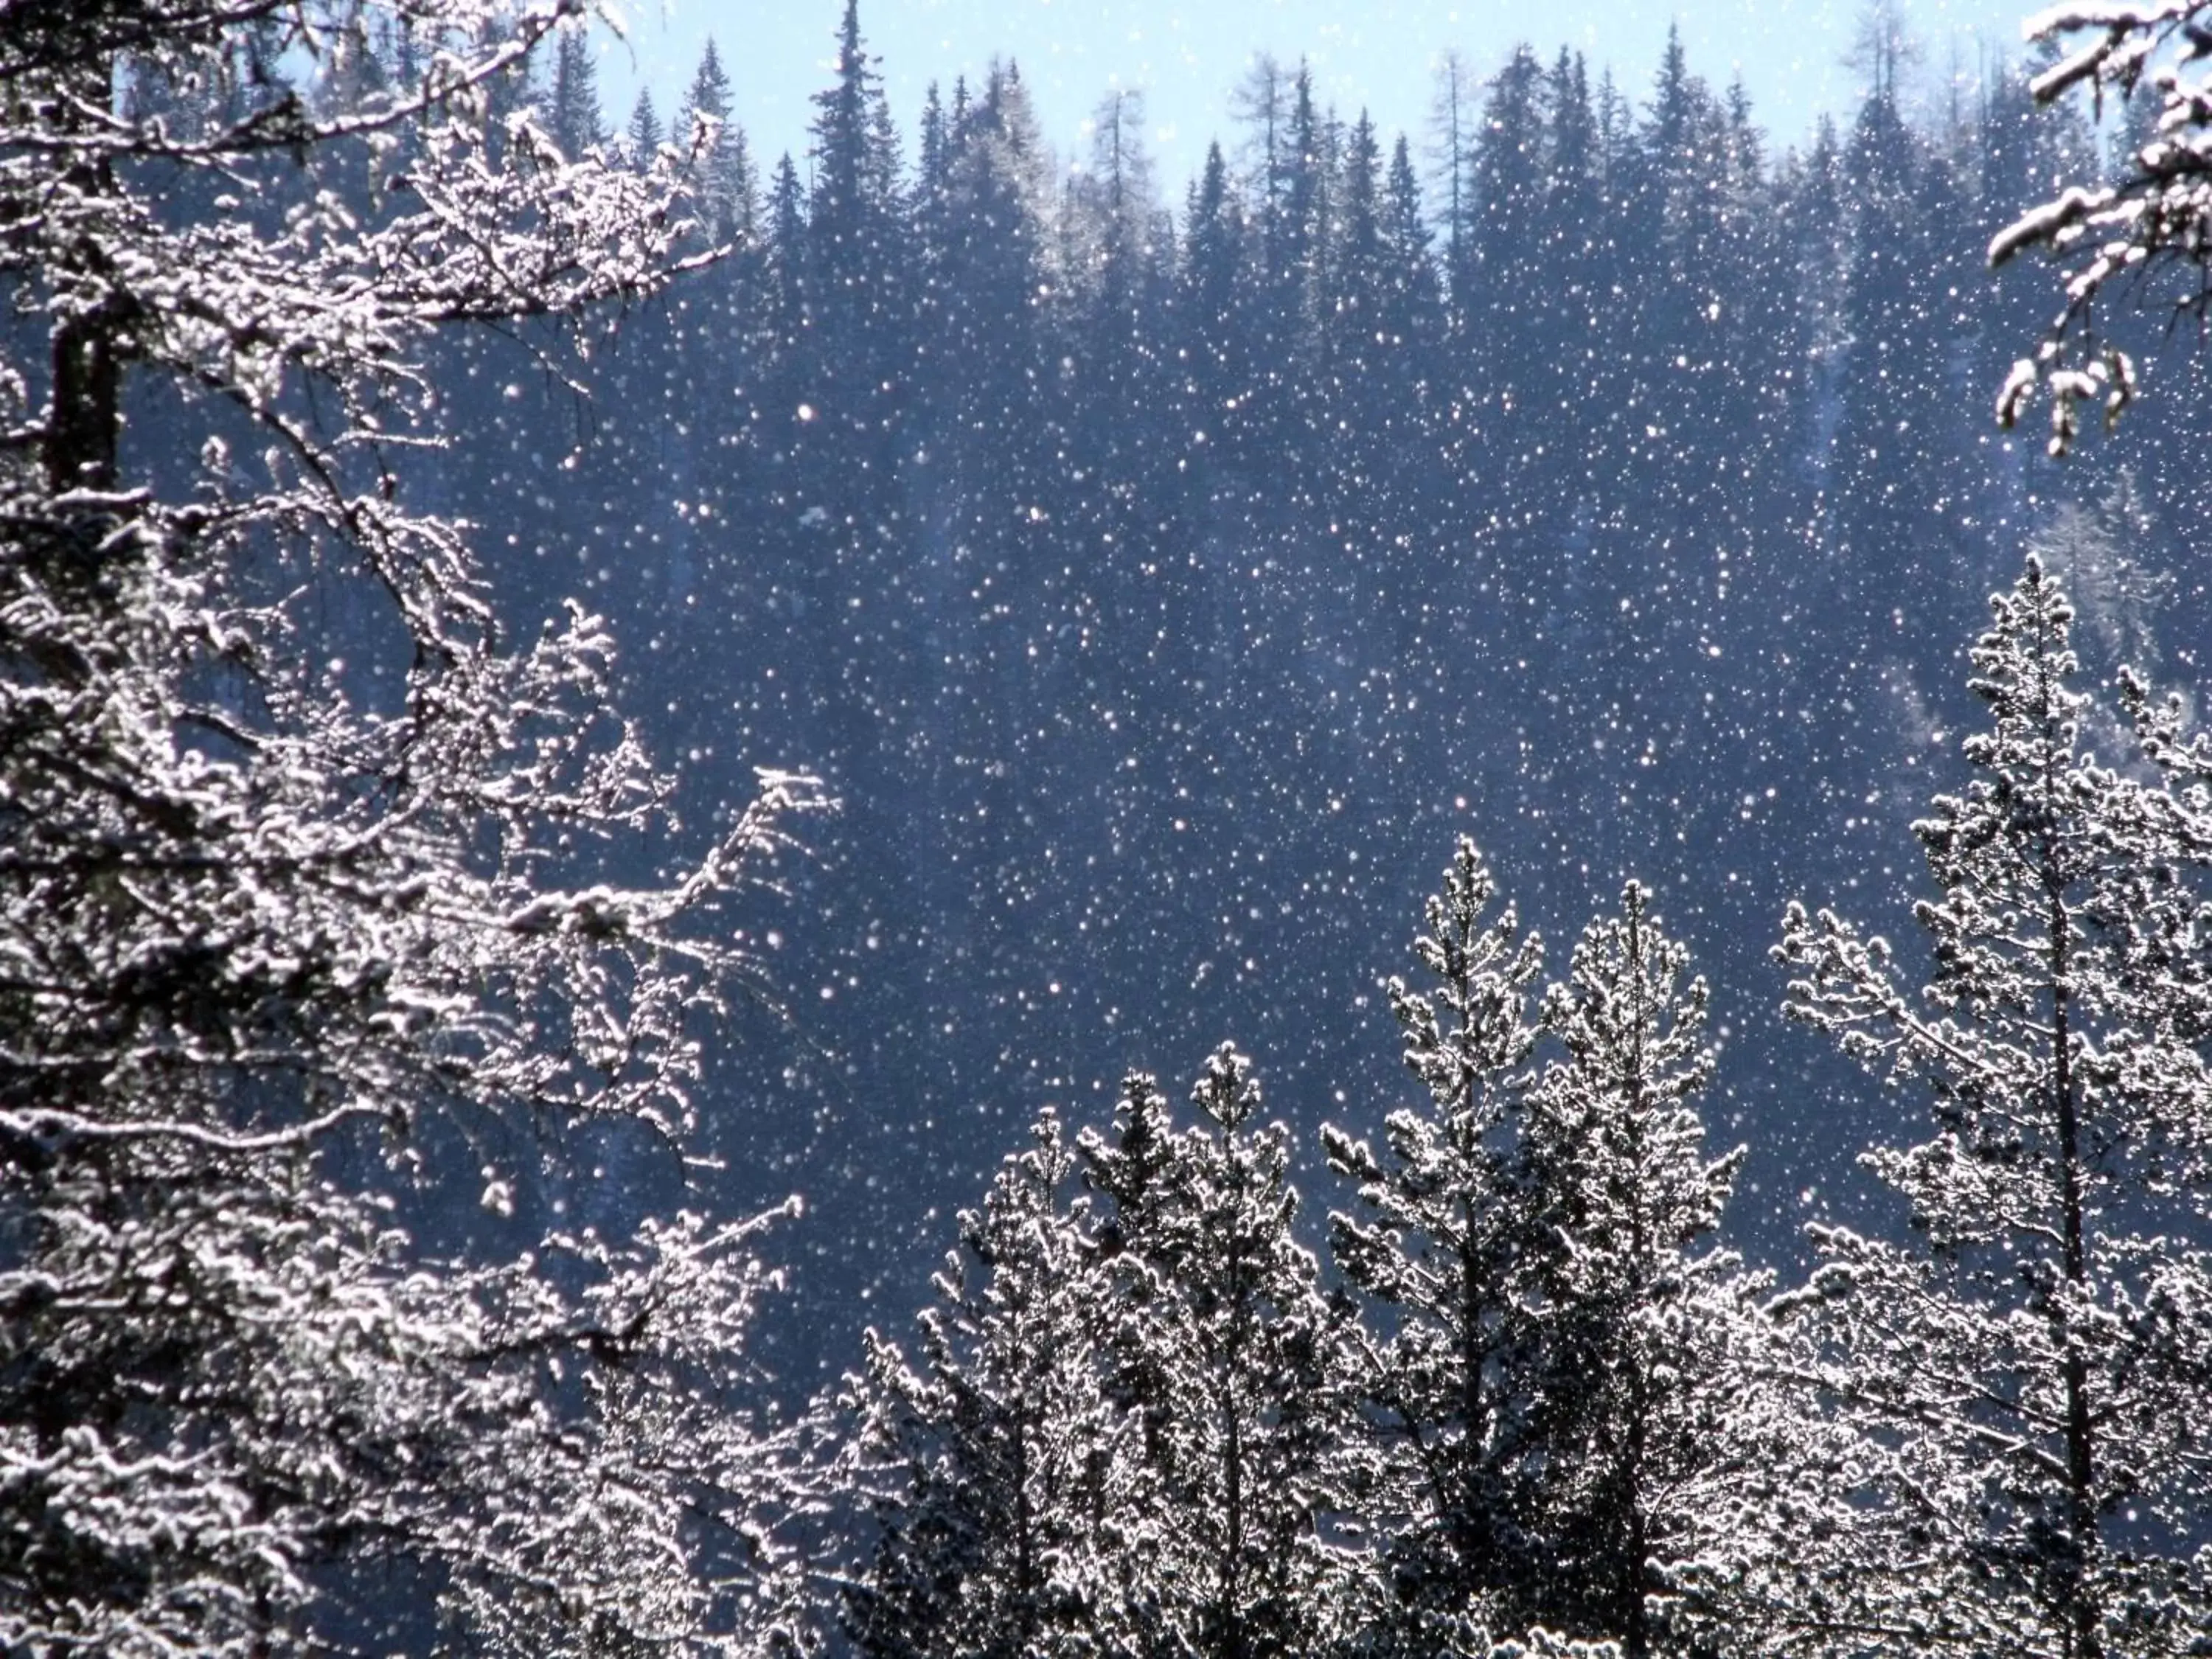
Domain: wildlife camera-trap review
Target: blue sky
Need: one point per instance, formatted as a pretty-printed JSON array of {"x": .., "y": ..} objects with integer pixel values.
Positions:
[{"x": 1188, "y": 54}]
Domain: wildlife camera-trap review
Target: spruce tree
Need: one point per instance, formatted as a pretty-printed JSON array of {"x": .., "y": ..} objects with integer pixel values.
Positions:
[
  {"x": 1439, "y": 1245},
  {"x": 1895, "y": 475},
  {"x": 854, "y": 208},
  {"x": 728, "y": 190},
  {"x": 1504, "y": 338},
  {"x": 1309, "y": 163},
  {"x": 985, "y": 428},
  {"x": 1642, "y": 1451},
  {"x": 1356, "y": 275},
  {"x": 1233, "y": 1357},
  {"x": 1511, "y": 168},
  {"x": 1209, "y": 295},
  {"x": 995, "y": 1467},
  {"x": 1574, "y": 325},
  {"x": 2028, "y": 1371},
  {"x": 856, "y": 265},
  {"x": 1408, "y": 307},
  {"x": 1352, "y": 396},
  {"x": 569, "y": 100},
  {"x": 643, "y": 136}
]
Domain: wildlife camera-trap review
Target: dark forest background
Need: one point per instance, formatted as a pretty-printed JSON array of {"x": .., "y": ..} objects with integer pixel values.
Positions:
[{"x": 1162, "y": 580}]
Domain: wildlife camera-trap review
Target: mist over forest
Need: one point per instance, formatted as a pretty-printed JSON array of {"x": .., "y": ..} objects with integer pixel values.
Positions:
[{"x": 943, "y": 899}]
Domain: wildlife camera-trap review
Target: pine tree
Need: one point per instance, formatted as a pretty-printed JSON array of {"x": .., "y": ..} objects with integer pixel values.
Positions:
[
  {"x": 1758, "y": 333},
  {"x": 1309, "y": 163},
  {"x": 2028, "y": 1373},
  {"x": 934, "y": 181},
  {"x": 1400, "y": 492},
  {"x": 1510, "y": 169},
  {"x": 1408, "y": 306},
  {"x": 729, "y": 190},
  {"x": 1439, "y": 1247},
  {"x": 853, "y": 252},
  {"x": 643, "y": 136},
  {"x": 1209, "y": 293},
  {"x": 990, "y": 273},
  {"x": 1893, "y": 500},
  {"x": 1575, "y": 331},
  {"x": 932, "y": 209},
  {"x": 998, "y": 1473},
  {"x": 1232, "y": 1355},
  {"x": 709, "y": 95},
  {"x": 854, "y": 206},
  {"x": 570, "y": 99},
  {"x": 1643, "y": 1445},
  {"x": 1352, "y": 396},
  {"x": 787, "y": 207},
  {"x": 1124, "y": 175},
  {"x": 1674, "y": 184},
  {"x": 786, "y": 324}
]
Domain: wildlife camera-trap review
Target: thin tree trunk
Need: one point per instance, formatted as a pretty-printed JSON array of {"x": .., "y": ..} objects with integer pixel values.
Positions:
[
  {"x": 2079, "y": 1611},
  {"x": 86, "y": 423}
]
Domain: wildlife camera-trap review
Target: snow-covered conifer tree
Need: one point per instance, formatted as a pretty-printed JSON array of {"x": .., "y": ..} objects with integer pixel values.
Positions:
[
  {"x": 1438, "y": 1243},
  {"x": 2029, "y": 1374},
  {"x": 1233, "y": 1358},
  {"x": 729, "y": 188},
  {"x": 996, "y": 1472},
  {"x": 306, "y": 928},
  {"x": 1651, "y": 1447}
]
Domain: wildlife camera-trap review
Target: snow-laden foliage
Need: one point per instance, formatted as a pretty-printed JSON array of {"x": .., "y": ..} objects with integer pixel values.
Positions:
[
  {"x": 2114, "y": 236},
  {"x": 1580, "y": 1416},
  {"x": 2028, "y": 1375},
  {"x": 1233, "y": 1358},
  {"x": 1439, "y": 1245},
  {"x": 1126, "y": 1432},
  {"x": 997, "y": 1471},
  {"x": 1142, "y": 1424},
  {"x": 1661, "y": 1449},
  {"x": 309, "y": 923}
]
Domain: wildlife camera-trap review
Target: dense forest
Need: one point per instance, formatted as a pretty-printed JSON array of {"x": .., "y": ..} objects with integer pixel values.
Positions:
[
  {"x": 1171, "y": 582},
  {"x": 608, "y": 748}
]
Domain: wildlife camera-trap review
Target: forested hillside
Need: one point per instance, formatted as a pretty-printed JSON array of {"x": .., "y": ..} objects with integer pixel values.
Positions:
[
  {"x": 611, "y": 749},
  {"x": 1160, "y": 576}
]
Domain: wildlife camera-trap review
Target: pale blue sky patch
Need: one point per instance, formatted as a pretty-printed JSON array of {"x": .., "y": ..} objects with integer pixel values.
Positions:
[{"x": 1187, "y": 54}]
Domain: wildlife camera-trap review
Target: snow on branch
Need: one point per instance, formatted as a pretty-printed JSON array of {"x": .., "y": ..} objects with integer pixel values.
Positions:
[
  {"x": 313, "y": 877},
  {"x": 2155, "y": 216}
]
